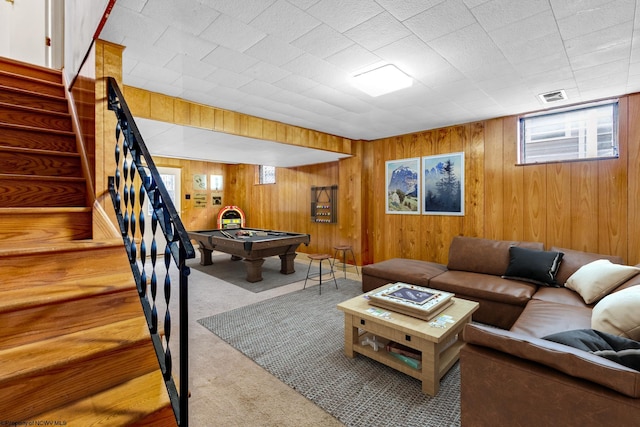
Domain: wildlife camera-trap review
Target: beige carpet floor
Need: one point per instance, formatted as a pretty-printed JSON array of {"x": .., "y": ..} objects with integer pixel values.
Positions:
[{"x": 227, "y": 388}]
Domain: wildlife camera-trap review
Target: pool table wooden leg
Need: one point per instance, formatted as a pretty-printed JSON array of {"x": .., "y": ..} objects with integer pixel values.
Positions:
[
  {"x": 254, "y": 269},
  {"x": 287, "y": 266},
  {"x": 205, "y": 255}
]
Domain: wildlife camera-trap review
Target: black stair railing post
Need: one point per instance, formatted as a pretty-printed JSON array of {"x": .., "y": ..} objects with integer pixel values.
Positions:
[{"x": 134, "y": 164}]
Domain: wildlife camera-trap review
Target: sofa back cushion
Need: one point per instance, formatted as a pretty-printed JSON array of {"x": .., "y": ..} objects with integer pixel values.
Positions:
[
  {"x": 485, "y": 256},
  {"x": 572, "y": 260}
]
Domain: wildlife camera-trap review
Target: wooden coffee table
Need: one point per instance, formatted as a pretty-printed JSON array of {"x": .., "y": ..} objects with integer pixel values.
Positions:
[{"x": 440, "y": 346}]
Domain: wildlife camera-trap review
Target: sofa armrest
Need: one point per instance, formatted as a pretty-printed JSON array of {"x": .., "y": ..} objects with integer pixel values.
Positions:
[{"x": 568, "y": 360}]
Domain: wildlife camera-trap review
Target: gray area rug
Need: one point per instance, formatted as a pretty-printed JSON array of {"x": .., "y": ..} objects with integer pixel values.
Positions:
[
  {"x": 299, "y": 338},
  {"x": 235, "y": 272}
]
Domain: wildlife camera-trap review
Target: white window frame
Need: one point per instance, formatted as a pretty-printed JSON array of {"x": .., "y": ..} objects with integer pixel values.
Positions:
[
  {"x": 266, "y": 174},
  {"x": 574, "y": 134}
]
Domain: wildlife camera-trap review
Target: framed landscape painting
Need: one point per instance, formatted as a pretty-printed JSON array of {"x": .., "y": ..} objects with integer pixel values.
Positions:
[
  {"x": 443, "y": 184},
  {"x": 403, "y": 186}
]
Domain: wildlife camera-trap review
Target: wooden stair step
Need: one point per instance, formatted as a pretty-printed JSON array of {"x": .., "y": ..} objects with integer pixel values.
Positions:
[
  {"x": 37, "y": 138},
  {"x": 30, "y": 70},
  {"x": 32, "y": 84},
  {"x": 142, "y": 401},
  {"x": 45, "y": 225},
  {"x": 34, "y": 313},
  {"x": 41, "y": 191},
  {"x": 17, "y": 96},
  {"x": 68, "y": 262},
  {"x": 25, "y": 161},
  {"x": 26, "y": 116},
  {"x": 47, "y": 374}
]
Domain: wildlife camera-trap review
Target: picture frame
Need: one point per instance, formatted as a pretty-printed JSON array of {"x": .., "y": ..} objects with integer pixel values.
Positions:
[
  {"x": 402, "y": 186},
  {"x": 443, "y": 184}
]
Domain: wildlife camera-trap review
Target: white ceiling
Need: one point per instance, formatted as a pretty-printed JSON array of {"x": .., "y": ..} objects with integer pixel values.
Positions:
[{"x": 290, "y": 60}]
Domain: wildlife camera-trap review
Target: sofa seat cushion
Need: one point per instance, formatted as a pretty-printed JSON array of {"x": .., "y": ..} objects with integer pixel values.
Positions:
[
  {"x": 541, "y": 318},
  {"x": 572, "y": 260},
  {"x": 569, "y": 360},
  {"x": 559, "y": 295},
  {"x": 412, "y": 271},
  {"x": 486, "y": 256},
  {"x": 484, "y": 286}
]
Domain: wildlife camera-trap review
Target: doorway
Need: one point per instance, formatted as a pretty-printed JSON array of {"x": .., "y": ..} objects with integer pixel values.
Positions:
[
  {"x": 31, "y": 32},
  {"x": 172, "y": 178}
]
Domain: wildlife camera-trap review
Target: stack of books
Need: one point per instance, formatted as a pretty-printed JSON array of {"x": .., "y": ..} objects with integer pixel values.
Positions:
[{"x": 408, "y": 355}]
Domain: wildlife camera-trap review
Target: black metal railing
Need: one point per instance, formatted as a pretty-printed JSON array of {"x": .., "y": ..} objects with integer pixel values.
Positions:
[{"x": 138, "y": 192}]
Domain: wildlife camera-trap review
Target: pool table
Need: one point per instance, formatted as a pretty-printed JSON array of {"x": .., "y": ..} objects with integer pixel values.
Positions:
[{"x": 252, "y": 245}]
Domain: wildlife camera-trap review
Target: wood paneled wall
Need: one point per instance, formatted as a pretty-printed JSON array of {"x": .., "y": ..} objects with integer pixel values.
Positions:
[{"x": 586, "y": 205}]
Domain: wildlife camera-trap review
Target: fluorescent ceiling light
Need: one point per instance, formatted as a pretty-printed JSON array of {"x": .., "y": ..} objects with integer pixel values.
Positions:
[{"x": 381, "y": 80}]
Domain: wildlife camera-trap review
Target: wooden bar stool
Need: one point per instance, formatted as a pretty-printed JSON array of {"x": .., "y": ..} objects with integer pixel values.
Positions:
[
  {"x": 343, "y": 265},
  {"x": 318, "y": 276}
]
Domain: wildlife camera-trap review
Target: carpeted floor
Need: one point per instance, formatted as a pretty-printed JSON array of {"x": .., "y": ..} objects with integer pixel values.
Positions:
[
  {"x": 235, "y": 272},
  {"x": 298, "y": 337}
]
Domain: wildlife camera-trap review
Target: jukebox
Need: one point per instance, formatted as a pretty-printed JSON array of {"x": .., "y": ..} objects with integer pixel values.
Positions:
[{"x": 231, "y": 217}]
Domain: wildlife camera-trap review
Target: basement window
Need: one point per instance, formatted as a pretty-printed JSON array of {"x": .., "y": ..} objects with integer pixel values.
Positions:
[
  {"x": 588, "y": 131},
  {"x": 266, "y": 174}
]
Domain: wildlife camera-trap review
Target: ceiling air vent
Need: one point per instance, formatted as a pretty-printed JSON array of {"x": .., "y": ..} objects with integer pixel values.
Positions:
[{"x": 554, "y": 96}]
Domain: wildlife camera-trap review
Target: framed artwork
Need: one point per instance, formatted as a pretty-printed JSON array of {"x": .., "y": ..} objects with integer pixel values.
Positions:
[
  {"x": 403, "y": 186},
  {"x": 443, "y": 184}
]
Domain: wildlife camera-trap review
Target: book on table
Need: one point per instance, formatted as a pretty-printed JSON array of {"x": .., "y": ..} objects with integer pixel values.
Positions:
[{"x": 416, "y": 301}]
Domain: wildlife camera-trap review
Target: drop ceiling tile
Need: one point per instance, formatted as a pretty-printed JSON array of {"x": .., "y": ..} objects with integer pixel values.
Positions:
[
  {"x": 245, "y": 10},
  {"x": 273, "y": 50},
  {"x": 160, "y": 75},
  {"x": 259, "y": 89},
  {"x": 229, "y": 59},
  {"x": 499, "y": 13},
  {"x": 614, "y": 53},
  {"x": 232, "y": 33},
  {"x": 185, "y": 43},
  {"x": 186, "y": 15},
  {"x": 440, "y": 20},
  {"x": 190, "y": 66},
  {"x": 188, "y": 83},
  {"x": 469, "y": 49},
  {"x": 534, "y": 48},
  {"x": 354, "y": 58},
  {"x": 338, "y": 99},
  {"x": 597, "y": 18},
  {"x": 266, "y": 72},
  {"x": 378, "y": 31},
  {"x": 284, "y": 20},
  {"x": 611, "y": 69},
  {"x": 564, "y": 8},
  {"x": 322, "y": 41},
  {"x": 231, "y": 79},
  {"x": 296, "y": 83},
  {"x": 536, "y": 26},
  {"x": 316, "y": 69},
  {"x": 600, "y": 40},
  {"x": 404, "y": 9},
  {"x": 344, "y": 14},
  {"x": 132, "y": 25},
  {"x": 145, "y": 52},
  {"x": 135, "y": 5}
]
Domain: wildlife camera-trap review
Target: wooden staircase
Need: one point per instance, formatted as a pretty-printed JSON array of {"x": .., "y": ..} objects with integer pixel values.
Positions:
[{"x": 74, "y": 344}]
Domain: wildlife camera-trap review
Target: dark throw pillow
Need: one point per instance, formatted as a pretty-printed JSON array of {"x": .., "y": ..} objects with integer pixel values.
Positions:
[
  {"x": 529, "y": 265},
  {"x": 617, "y": 349}
]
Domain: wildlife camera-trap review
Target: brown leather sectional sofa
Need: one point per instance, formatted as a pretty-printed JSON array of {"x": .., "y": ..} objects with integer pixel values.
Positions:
[{"x": 510, "y": 375}]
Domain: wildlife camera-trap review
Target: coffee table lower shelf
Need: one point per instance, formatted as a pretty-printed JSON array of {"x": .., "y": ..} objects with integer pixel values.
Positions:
[{"x": 447, "y": 358}]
